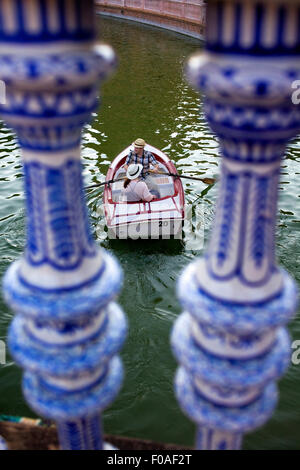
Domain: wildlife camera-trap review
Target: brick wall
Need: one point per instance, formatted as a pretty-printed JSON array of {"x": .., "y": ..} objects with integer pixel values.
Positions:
[{"x": 185, "y": 16}]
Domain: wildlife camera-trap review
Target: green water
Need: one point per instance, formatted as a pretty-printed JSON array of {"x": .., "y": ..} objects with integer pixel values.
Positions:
[{"x": 149, "y": 98}]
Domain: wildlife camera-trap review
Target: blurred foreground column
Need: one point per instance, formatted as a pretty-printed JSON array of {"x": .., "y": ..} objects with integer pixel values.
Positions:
[
  {"x": 230, "y": 340},
  {"x": 67, "y": 331},
  {"x": 3, "y": 445}
]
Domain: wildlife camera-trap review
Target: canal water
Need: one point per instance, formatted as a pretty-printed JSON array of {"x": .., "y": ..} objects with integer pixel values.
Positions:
[{"x": 149, "y": 98}]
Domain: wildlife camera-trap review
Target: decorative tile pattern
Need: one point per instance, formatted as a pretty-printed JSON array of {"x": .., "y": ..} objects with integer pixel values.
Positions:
[
  {"x": 68, "y": 331},
  {"x": 231, "y": 341}
]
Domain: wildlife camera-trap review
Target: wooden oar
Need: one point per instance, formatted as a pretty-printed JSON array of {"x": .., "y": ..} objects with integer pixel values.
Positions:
[
  {"x": 103, "y": 183},
  {"x": 175, "y": 175}
]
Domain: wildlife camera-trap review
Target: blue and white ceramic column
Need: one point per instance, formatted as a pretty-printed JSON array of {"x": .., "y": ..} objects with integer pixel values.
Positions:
[
  {"x": 67, "y": 331},
  {"x": 3, "y": 445},
  {"x": 231, "y": 341}
]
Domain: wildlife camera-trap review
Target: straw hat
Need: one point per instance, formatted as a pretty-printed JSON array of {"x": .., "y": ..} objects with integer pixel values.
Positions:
[
  {"x": 134, "y": 170},
  {"x": 139, "y": 143}
]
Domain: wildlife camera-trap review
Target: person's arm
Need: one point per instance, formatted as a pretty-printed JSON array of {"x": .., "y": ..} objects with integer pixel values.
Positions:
[
  {"x": 154, "y": 163},
  {"x": 127, "y": 162}
]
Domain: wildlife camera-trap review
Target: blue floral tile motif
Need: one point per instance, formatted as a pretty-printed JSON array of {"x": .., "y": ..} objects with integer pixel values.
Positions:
[
  {"x": 210, "y": 439},
  {"x": 3, "y": 445},
  {"x": 62, "y": 191},
  {"x": 228, "y": 28},
  {"x": 78, "y": 405},
  {"x": 73, "y": 435},
  {"x": 63, "y": 304},
  {"x": 64, "y": 359},
  {"x": 67, "y": 331},
  {"x": 231, "y": 340},
  {"x": 46, "y": 21},
  {"x": 229, "y": 419},
  {"x": 231, "y": 372},
  {"x": 236, "y": 317},
  {"x": 44, "y": 104},
  {"x": 66, "y": 68}
]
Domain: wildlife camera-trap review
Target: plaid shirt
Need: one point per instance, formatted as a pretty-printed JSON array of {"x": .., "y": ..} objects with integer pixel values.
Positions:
[{"x": 144, "y": 160}]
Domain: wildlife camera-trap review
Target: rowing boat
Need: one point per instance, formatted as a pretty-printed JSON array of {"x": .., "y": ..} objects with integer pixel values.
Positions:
[{"x": 161, "y": 218}]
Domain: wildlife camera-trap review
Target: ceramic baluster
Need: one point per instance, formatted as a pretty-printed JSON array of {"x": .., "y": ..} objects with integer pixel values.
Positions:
[
  {"x": 231, "y": 341},
  {"x": 67, "y": 330}
]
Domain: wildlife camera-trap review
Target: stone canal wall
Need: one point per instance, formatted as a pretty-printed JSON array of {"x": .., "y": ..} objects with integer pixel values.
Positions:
[{"x": 184, "y": 16}]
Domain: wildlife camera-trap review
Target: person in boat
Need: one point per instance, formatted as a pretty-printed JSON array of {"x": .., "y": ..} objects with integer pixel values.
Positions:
[
  {"x": 135, "y": 189},
  {"x": 145, "y": 158}
]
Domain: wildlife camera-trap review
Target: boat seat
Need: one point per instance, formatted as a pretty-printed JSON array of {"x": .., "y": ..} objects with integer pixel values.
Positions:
[
  {"x": 116, "y": 195},
  {"x": 164, "y": 185}
]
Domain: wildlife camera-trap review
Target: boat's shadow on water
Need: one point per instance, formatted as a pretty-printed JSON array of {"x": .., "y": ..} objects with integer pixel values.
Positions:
[{"x": 165, "y": 246}]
